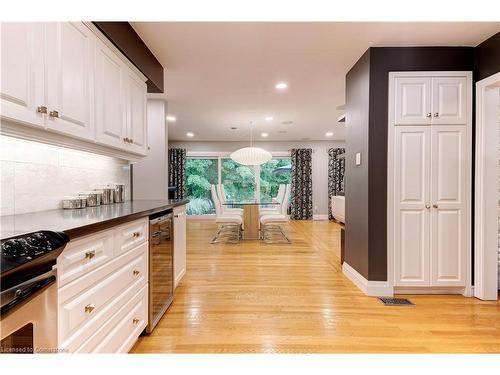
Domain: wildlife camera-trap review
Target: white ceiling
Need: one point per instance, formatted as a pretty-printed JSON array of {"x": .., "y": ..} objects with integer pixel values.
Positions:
[{"x": 219, "y": 75}]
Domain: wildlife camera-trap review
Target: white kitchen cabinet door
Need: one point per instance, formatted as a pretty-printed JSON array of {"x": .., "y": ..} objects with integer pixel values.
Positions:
[
  {"x": 70, "y": 66},
  {"x": 110, "y": 109},
  {"x": 136, "y": 114},
  {"x": 413, "y": 101},
  {"x": 22, "y": 72},
  {"x": 412, "y": 210},
  {"x": 449, "y": 207},
  {"x": 179, "y": 244},
  {"x": 449, "y": 100}
]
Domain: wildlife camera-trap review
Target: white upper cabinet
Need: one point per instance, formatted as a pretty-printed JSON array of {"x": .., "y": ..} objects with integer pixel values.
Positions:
[
  {"x": 22, "y": 78},
  {"x": 413, "y": 101},
  {"x": 449, "y": 101},
  {"x": 136, "y": 115},
  {"x": 109, "y": 98},
  {"x": 67, "y": 78},
  {"x": 70, "y": 81},
  {"x": 424, "y": 100}
]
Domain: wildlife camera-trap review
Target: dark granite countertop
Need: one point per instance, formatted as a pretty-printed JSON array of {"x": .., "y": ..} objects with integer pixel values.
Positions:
[{"x": 80, "y": 222}]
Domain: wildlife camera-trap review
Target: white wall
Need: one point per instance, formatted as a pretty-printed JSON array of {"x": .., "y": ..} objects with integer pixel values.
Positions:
[
  {"x": 319, "y": 161},
  {"x": 36, "y": 176},
  {"x": 150, "y": 175}
]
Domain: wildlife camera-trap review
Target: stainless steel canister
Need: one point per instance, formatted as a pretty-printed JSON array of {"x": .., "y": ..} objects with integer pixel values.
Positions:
[
  {"x": 119, "y": 193},
  {"x": 93, "y": 198},
  {"x": 108, "y": 195},
  {"x": 69, "y": 203}
]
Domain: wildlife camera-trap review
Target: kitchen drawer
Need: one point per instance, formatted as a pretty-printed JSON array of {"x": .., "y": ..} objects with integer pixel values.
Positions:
[
  {"x": 122, "y": 328},
  {"x": 83, "y": 255},
  {"x": 85, "y": 298},
  {"x": 130, "y": 235}
]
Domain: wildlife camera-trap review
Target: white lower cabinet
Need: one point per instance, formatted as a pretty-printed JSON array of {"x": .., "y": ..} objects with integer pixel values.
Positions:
[
  {"x": 104, "y": 308},
  {"x": 179, "y": 243}
]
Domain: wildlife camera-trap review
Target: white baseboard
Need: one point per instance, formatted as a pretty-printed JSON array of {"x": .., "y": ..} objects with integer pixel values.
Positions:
[
  {"x": 179, "y": 278},
  {"x": 320, "y": 217},
  {"x": 370, "y": 288},
  {"x": 428, "y": 290}
]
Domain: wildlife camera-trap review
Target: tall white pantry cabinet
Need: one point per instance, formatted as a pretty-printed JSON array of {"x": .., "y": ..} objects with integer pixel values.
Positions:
[{"x": 429, "y": 181}]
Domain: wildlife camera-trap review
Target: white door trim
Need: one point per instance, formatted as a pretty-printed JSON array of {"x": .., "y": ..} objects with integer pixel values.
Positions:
[
  {"x": 486, "y": 194},
  {"x": 468, "y": 290}
]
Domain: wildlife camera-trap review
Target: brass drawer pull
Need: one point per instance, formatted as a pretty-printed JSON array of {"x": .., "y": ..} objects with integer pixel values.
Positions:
[
  {"x": 135, "y": 321},
  {"x": 136, "y": 273},
  {"x": 89, "y": 308},
  {"x": 41, "y": 109},
  {"x": 136, "y": 234},
  {"x": 90, "y": 254},
  {"x": 54, "y": 114}
]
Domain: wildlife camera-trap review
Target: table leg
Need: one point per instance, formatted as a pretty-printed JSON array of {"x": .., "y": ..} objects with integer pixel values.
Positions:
[{"x": 251, "y": 222}]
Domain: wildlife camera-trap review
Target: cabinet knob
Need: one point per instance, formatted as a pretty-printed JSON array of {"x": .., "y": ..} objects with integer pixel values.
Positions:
[
  {"x": 427, "y": 206},
  {"x": 135, "y": 321},
  {"x": 89, "y": 308},
  {"x": 41, "y": 109},
  {"x": 435, "y": 205},
  {"x": 436, "y": 114},
  {"x": 136, "y": 234},
  {"x": 54, "y": 114},
  {"x": 90, "y": 254},
  {"x": 136, "y": 273},
  {"x": 429, "y": 114}
]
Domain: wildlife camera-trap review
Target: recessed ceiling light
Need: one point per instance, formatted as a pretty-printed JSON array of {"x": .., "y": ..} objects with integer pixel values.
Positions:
[
  {"x": 269, "y": 118},
  {"x": 171, "y": 118},
  {"x": 190, "y": 134},
  {"x": 264, "y": 135},
  {"x": 281, "y": 85},
  {"x": 329, "y": 134},
  {"x": 287, "y": 122}
]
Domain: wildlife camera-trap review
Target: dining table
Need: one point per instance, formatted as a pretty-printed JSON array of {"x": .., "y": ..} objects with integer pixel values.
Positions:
[{"x": 251, "y": 216}]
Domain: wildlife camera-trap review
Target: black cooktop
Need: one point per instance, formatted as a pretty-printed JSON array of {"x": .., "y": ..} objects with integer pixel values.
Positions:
[{"x": 29, "y": 255}]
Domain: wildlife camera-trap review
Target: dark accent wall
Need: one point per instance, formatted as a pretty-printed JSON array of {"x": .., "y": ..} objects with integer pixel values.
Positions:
[
  {"x": 370, "y": 217},
  {"x": 487, "y": 57},
  {"x": 356, "y": 205},
  {"x": 124, "y": 37}
]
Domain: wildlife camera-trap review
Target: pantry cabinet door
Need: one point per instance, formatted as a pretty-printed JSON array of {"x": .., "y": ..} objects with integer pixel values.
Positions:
[
  {"x": 413, "y": 101},
  {"x": 449, "y": 205},
  {"x": 70, "y": 57},
  {"x": 412, "y": 210},
  {"x": 449, "y": 100},
  {"x": 136, "y": 114},
  {"x": 110, "y": 106},
  {"x": 22, "y": 72}
]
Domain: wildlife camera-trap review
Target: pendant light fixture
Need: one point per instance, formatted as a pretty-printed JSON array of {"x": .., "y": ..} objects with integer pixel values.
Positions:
[{"x": 251, "y": 155}]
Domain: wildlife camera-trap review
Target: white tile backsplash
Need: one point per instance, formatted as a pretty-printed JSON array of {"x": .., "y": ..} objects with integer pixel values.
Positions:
[{"x": 36, "y": 176}]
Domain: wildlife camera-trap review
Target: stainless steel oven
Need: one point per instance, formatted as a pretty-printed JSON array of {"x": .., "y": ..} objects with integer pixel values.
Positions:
[{"x": 161, "y": 266}]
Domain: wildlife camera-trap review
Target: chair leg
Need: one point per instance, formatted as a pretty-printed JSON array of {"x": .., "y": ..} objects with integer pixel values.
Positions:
[
  {"x": 227, "y": 233},
  {"x": 272, "y": 233}
]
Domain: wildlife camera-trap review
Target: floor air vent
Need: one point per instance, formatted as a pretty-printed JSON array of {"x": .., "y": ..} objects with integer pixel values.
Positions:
[{"x": 387, "y": 301}]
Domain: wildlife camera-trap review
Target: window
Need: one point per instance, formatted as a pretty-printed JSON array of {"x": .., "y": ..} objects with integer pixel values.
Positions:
[
  {"x": 238, "y": 181},
  {"x": 241, "y": 182},
  {"x": 272, "y": 174},
  {"x": 200, "y": 174}
]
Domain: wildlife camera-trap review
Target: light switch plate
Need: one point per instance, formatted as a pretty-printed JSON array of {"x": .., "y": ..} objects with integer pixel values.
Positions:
[{"x": 358, "y": 158}]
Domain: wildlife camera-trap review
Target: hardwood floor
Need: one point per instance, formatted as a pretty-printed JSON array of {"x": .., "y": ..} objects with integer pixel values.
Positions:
[{"x": 258, "y": 298}]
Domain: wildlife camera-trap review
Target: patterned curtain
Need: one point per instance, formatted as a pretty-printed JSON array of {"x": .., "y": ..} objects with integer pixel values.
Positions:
[
  {"x": 336, "y": 170},
  {"x": 177, "y": 171},
  {"x": 301, "y": 192}
]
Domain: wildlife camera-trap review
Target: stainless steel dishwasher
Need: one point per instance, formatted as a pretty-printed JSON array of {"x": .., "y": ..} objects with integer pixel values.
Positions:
[{"x": 161, "y": 266}]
